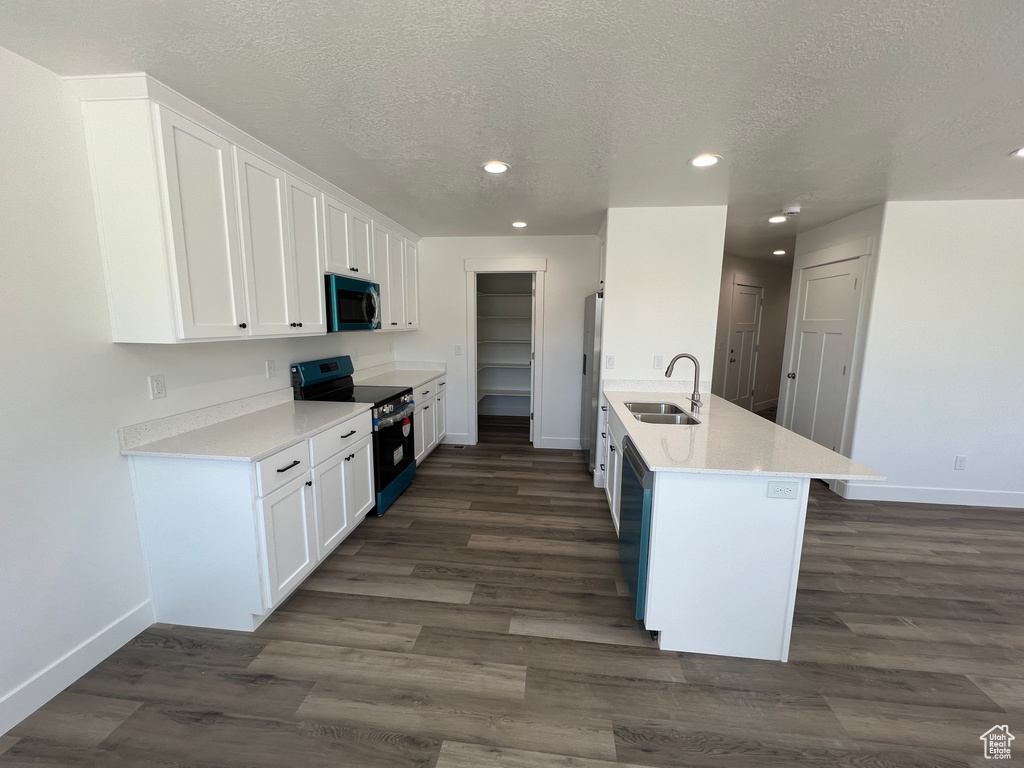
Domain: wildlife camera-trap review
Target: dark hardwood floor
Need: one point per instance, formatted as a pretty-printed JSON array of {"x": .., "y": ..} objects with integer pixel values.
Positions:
[{"x": 482, "y": 622}]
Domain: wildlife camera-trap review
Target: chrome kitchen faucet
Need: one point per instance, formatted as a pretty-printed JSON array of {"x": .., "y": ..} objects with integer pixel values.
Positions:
[{"x": 695, "y": 397}]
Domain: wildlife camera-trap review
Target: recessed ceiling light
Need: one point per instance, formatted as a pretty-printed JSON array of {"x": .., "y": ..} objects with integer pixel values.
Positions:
[
  {"x": 777, "y": 219},
  {"x": 495, "y": 166},
  {"x": 705, "y": 160},
  {"x": 518, "y": 224},
  {"x": 1018, "y": 153},
  {"x": 779, "y": 253}
]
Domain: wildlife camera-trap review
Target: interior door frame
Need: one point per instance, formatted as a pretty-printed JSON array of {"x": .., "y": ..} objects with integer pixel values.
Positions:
[
  {"x": 748, "y": 282},
  {"x": 856, "y": 249},
  {"x": 473, "y": 267}
]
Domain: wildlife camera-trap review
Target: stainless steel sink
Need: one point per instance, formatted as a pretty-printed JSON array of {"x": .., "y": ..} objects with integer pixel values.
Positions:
[
  {"x": 666, "y": 418},
  {"x": 636, "y": 408},
  {"x": 660, "y": 413}
]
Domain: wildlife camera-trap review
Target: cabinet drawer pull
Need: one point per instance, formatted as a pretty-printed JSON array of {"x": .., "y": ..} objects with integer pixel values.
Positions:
[
  {"x": 602, "y": 467},
  {"x": 427, "y": 392},
  {"x": 296, "y": 325},
  {"x": 309, "y": 483},
  {"x": 354, "y": 269},
  {"x": 604, "y": 407},
  {"x": 350, "y": 457},
  {"x": 242, "y": 325},
  {"x": 293, "y": 464},
  {"x": 611, "y": 447},
  {"x": 348, "y": 435},
  {"x": 426, "y": 407},
  {"x": 394, "y": 323},
  {"x": 604, "y": 434}
]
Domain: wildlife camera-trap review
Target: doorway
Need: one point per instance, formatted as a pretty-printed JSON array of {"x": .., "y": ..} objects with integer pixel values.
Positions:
[
  {"x": 824, "y": 324},
  {"x": 505, "y": 338}
]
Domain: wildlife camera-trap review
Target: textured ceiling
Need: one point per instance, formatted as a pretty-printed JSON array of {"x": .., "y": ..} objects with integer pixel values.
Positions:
[{"x": 833, "y": 104}]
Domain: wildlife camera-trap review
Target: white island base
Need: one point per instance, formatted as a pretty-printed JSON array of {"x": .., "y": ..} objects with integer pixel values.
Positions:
[{"x": 723, "y": 564}]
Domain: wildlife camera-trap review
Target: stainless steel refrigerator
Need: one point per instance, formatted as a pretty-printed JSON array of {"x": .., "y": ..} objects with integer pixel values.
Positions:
[{"x": 590, "y": 400}]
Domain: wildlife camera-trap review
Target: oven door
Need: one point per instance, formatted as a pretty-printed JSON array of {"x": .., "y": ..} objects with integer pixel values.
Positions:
[
  {"x": 393, "y": 446},
  {"x": 352, "y": 305}
]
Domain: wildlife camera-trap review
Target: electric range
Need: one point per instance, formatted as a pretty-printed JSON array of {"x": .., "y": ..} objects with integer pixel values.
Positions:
[{"x": 394, "y": 452}]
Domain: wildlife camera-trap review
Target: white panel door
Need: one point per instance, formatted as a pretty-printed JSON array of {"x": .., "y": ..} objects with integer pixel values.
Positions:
[
  {"x": 207, "y": 259},
  {"x": 396, "y": 281},
  {"x": 338, "y": 218},
  {"x": 818, "y": 378},
  {"x": 306, "y": 245},
  {"x": 329, "y": 499},
  {"x": 744, "y": 332},
  {"x": 360, "y": 246},
  {"x": 289, "y": 531},
  {"x": 359, "y": 493},
  {"x": 412, "y": 290},
  {"x": 269, "y": 270}
]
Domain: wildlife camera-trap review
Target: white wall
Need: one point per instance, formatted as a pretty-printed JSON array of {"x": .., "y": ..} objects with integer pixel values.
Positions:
[
  {"x": 74, "y": 585},
  {"x": 572, "y": 267},
  {"x": 775, "y": 279},
  {"x": 663, "y": 268},
  {"x": 943, "y": 370}
]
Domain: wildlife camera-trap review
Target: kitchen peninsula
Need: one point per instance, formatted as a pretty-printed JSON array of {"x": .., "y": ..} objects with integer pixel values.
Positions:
[{"x": 712, "y": 559}]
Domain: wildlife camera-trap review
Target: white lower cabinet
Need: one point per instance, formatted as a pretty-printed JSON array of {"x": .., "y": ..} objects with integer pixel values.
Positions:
[
  {"x": 227, "y": 541},
  {"x": 289, "y": 534},
  {"x": 614, "y": 433},
  {"x": 429, "y": 417},
  {"x": 343, "y": 494},
  {"x": 440, "y": 427}
]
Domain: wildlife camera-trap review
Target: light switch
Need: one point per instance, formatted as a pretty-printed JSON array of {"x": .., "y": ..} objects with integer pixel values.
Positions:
[{"x": 609, "y": 362}]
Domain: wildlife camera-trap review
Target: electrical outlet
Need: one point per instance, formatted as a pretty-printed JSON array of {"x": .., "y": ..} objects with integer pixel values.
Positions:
[
  {"x": 157, "y": 386},
  {"x": 658, "y": 362},
  {"x": 609, "y": 362},
  {"x": 271, "y": 369},
  {"x": 960, "y": 462},
  {"x": 778, "y": 489},
  {"x": 458, "y": 349}
]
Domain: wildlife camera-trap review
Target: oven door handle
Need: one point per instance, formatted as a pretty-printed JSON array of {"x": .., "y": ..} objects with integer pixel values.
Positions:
[{"x": 397, "y": 416}]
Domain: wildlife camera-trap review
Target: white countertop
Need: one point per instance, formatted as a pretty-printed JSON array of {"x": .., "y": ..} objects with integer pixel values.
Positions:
[
  {"x": 412, "y": 378},
  {"x": 729, "y": 440},
  {"x": 253, "y": 436}
]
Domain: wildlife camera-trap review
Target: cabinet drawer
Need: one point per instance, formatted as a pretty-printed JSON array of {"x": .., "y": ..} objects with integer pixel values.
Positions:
[
  {"x": 439, "y": 385},
  {"x": 284, "y": 466},
  {"x": 424, "y": 394},
  {"x": 331, "y": 441}
]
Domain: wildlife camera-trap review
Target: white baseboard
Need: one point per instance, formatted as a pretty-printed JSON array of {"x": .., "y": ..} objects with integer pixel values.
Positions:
[
  {"x": 563, "y": 443},
  {"x": 22, "y": 701},
  {"x": 456, "y": 438},
  {"x": 920, "y": 495}
]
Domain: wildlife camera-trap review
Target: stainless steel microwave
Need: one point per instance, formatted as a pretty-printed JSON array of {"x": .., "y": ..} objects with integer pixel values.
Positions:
[{"x": 352, "y": 305}]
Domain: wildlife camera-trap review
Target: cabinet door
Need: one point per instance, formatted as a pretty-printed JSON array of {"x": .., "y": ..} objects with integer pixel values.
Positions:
[
  {"x": 359, "y": 493},
  {"x": 329, "y": 499},
  {"x": 440, "y": 424},
  {"x": 269, "y": 270},
  {"x": 360, "y": 246},
  {"x": 609, "y": 490},
  {"x": 419, "y": 429},
  {"x": 337, "y": 217},
  {"x": 396, "y": 281},
  {"x": 289, "y": 536},
  {"x": 613, "y": 483},
  {"x": 306, "y": 245},
  {"x": 382, "y": 271},
  {"x": 430, "y": 426},
  {"x": 204, "y": 227},
  {"x": 412, "y": 290}
]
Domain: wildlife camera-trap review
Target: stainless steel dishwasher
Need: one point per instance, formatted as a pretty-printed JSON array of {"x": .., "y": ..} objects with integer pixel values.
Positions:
[{"x": 635, "y": 502}]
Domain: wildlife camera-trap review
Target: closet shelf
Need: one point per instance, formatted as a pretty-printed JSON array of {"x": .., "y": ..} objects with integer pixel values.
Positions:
[
  {"x": 504, "y": 317},
  {"x": 518, "y": 295},
  {"x": 503, "y": 341},
  {"x": 484, "y": 392},
  {"x": 481, "y": 366}
]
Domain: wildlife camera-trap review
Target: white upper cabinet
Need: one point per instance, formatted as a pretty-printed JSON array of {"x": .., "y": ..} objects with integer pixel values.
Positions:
[
  {"x": 348, "y": 240},
  {"x": 412, "y": 290},
  {"x": 268, "y": 266},
  {"x": 306, "y": 239},
  {"x": 205, "y": 253},
  {"x": 207, "y": 234}
]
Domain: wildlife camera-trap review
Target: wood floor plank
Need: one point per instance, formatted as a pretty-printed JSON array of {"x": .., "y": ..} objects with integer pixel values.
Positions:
[
  {"x": 402, "y": 670},
  {"x": 588, "y": 629},
  {"x": 351, "y": 633},
  {"x": 461, "y": 755},
  {"x": 81, "y": 718},
  {"x": 373, "y": 585},
  {"x": 1007, "y": 692}
]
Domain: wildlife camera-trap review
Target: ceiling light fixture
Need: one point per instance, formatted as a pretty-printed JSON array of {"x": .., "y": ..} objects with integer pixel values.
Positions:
[
  {"x": 495, "y": 166},
  {"x": 518, "y": 224},
  {"x": 1018, "y": 153},
  {"x": 777, "y": 219},
  {"x": 705, "y": 160},
  {"x": 779, "y": 252}
]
